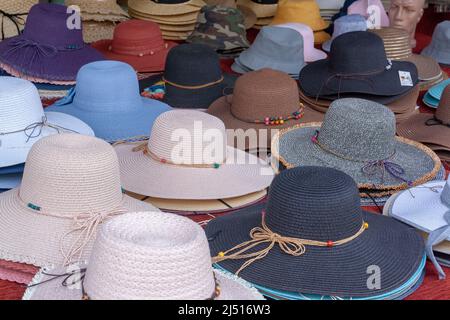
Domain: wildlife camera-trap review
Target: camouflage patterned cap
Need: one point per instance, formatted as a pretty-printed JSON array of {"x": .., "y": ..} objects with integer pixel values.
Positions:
[{"x": 221, "y": 28}]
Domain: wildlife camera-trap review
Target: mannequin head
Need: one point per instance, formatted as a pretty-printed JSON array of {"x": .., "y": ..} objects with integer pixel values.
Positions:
[{"x": 406, "y": 14}]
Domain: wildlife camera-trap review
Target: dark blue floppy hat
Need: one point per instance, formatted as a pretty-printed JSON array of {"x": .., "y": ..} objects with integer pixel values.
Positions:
[{"x": 313, "y": 237}]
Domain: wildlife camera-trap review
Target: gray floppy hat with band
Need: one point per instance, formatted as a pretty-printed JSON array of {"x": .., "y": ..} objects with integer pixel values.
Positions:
[{"x": 358, "y": 138}]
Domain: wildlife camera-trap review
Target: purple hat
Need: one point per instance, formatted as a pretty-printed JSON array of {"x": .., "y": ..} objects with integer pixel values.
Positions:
[{"x": 48, "y": 49}]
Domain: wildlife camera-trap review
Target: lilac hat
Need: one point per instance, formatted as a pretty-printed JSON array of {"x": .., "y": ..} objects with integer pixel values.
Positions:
[
  {"x": 349, "y": 23},
  {"x": 47, "y": 49},
  {"x": 311, "y": 54},
  {"x": 362, "y": 7}
]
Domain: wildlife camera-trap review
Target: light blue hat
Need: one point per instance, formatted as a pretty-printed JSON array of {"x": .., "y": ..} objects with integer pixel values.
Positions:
[
  {"x": 349, "y": 23},
  {"x": 107, "y": 98},
  {"x": 433, "y": 95},
  {"x": 276, "y": 48},
  {"x": 439, "y": 48}
]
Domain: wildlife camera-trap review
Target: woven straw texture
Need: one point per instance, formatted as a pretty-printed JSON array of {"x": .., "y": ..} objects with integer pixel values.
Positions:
[
  {"x": 261, "y": 10},
  {"x": 101, "y": 10},
  {"x": 159, "y": 9},
  {"x": 14, "y": 7}
]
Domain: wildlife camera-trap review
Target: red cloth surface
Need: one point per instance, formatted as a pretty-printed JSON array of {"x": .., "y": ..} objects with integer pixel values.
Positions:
[{"x": 431, "y": 289}]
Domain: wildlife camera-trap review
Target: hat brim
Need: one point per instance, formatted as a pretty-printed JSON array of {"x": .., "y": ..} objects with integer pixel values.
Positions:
[
  {"x": 15, "y": 146},
  {"x": 180, "y": 19},
  {"x": 98, "y": 8},
  {"x": 18, "y": 168},
  {"x": 114, "y": 126},
  {"x": 221, "y": 108},
  {"x": 317, "y": 79},
  {"x": 231, "y": 288},
  {"x": 250, "y": 17},
  {"x": 33, "y": 238},
  {"x": 436, "y": 91},
  {"x": 241, "y": 174},
  {"x": 146, "y": 63},
  {"x": 63, "y": 66},
  {"x": 339, "y": 271},
  {"x": 427, "y": 68},
  {"x": 320, "y": 37},
  {"x": 415, "y": 128},
  {"x": 161, "y": 9},
  {"x": 261, "y": 10},
  {"x": 439, "y": 55},
  {"x": 293, "y": 147}
]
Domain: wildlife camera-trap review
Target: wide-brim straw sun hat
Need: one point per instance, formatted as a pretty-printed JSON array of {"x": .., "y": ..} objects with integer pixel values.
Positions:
[
  {"x": 439, "y": 48},
  {"x": 173, "y": 259},
  {"x": 99, "y": 10},
  {"x": 312, "y": 237},
  {"x": 107, "y": 97},
  {"x": 138, "y": 43},
  {"x": 358, "y": 137},
  {"x": 47, "y": 49},
  {"x": 23, "y": 120},
  {"x": 165, "y": 8},
  {"x": 262, "y": 8},
  {"x": 71, "y": 183},
  {"x": 156, "y": 169},
  {"x": 98, "y": 30},
  {"x": 13, "y": 15},
  {"x": 259, "y": 100}
]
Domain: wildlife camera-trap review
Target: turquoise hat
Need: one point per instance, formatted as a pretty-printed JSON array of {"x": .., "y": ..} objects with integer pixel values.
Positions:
[{"x": 433, "y": 96}]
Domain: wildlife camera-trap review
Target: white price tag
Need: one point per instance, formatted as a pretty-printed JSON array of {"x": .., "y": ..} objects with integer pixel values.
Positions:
[{"x": 405, "y": 79}]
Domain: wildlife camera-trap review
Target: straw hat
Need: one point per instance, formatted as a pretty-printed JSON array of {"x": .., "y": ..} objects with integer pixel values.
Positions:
[
  {"x": 176, "y": 19},
  {"x": 71, "y": 184},
  {"x": 23, "y": 120},
  {"x": 249, "y": 16},
  {"x": 203, "y": 170},
  {"x": 439, "y": 48},
  {"x": 13, "y": 15},
  {"x": 262, "y": 8},
  {"x": 314, "y": 238},
  {"x": 151, "y": 256},
  {"x": 107, "y": 97},
  {"x": 358, "y": 137},
  {"x": 99, "y": 10},
  {"x": 427, "y": 128},
  {"x": 397, "y": 46},
  {"x": 259, "y": 96},
  {"x": 165, "y": 8}
]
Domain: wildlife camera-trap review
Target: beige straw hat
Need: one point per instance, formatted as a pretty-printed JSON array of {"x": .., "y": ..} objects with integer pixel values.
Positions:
[
  {"x": 145, "y": 256},
  {"x": 71, "y": 184},
  {"x": 186, "y": 18},
  {"x": 260, "y": 8},
  {"x": 95, "y": 31},
  {"x": 187, "y": 157},
  {"x": 99, "y": 10},
  {"x": 165, "y": 7},
  {"x": 13, "y": 15}
]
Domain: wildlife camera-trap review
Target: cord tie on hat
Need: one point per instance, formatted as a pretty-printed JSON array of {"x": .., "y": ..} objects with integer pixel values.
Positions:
[
  {"x": 436, "y": 122},
  {"x": 16, "y": 19},
  {"x": 40, "y": 50},
  {"x": 86, "y": 225},
  {"x": 34, "y": 130},
  {"x": 69, "y": 278},
  {"x": 371, "y": 168},
  {"x": 202, "y": 86},
  {"x": 289, "y": 245}
]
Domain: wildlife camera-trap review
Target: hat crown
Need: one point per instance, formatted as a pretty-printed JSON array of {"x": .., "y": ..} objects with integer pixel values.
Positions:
[
  {"x": 223, "y": 15},
  {"x": 107, "y": 86},
  {"x": 441, "y": 35},
  {"x": 443, "y": 111},
  {"x": 51, "y": 24},
  {"x": 70, "y": 174},
  {"x": 192, "y": 64},
  {"x": 264, "y": 93},
  {"x": 305, "y": 30},
  {"x": 359, "y": 130},
  {"x": 150, "y": 255},
  {"x": 314, "y": 203},
  {"x": 357, "y": 52},
  {"x": 349, "y": 23},
  {"x": 20, "y": 104},
  {"x": 188, "y": 137},
  {"x": 137, "y": 37}
]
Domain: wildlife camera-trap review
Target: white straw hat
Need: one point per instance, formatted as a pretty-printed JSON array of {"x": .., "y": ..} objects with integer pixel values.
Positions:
[
  {"x": 23, "y": 120},
  {"x": 145, "y": 256},
  {"x": 71, "y": 184},
  {"x": 187, "y": 157}
]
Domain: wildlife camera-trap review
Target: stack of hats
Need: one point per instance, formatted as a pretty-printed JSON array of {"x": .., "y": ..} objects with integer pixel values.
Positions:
[
  {"x": 312, "y": 241},
  {"x": 13, "y": 15},
  {"x": 397, "y": 47},
  {"x": 432, "y": 130},
  {"x": 264, "y": 10},
  {"x": 358, "y": 67},
  {"x": 328, "y": 8},
  {"x": 303, "y": 11},
  {"x": 176, "y": 18},
  {"x": 434, "y": 94},
  {"x": 99, "y": 18}
]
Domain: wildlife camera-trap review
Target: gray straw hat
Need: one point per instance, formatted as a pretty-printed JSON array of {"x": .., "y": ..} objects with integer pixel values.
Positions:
[
  {"x": 358, "y": 138},
  {"x": 439, "y": 48}
]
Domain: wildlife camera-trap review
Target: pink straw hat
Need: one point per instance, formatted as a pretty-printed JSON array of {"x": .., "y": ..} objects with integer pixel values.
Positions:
[
  {"x": 311, "y": 54},
  {"x": 144, "y": 256},
  {"x": 71, "y": 184},
  {"x": 187, "y": 157}
]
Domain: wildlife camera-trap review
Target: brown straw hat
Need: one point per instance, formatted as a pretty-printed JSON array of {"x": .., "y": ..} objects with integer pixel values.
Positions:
[
  {"x": 430, "y": 129},
  {"x": 398, "y": 47},
  {"x": 13, "y": 15},
  {"x": 99, "y": 10},
  {"x": 262, "y": 100}
]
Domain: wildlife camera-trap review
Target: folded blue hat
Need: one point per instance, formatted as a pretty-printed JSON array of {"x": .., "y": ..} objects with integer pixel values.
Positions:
[
  {"x": 107, "y": 98},
  {"x": 349, "y": 23},
  {"x": 433, "y": 95}
]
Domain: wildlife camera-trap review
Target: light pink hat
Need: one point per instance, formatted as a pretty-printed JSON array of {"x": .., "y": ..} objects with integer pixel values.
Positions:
[
  {"x": 311, "y": 54},
  {"x": 187, "y": 157},
  {"x": 361, "y": 7},
  {"x": 71, "y": 184},
  {"x": 144, "y": 256}
]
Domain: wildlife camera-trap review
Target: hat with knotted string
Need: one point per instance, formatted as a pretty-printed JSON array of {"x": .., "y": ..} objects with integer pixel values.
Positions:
[
  {"x": 23, "y": 121},
  {"x": 48, "y": 49},
  {"x": 358, "y": 137},
  {"x": 71, "y": 184},
  {"x": 13, "y": 15},
  {"x": 312, "y": 237}
]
